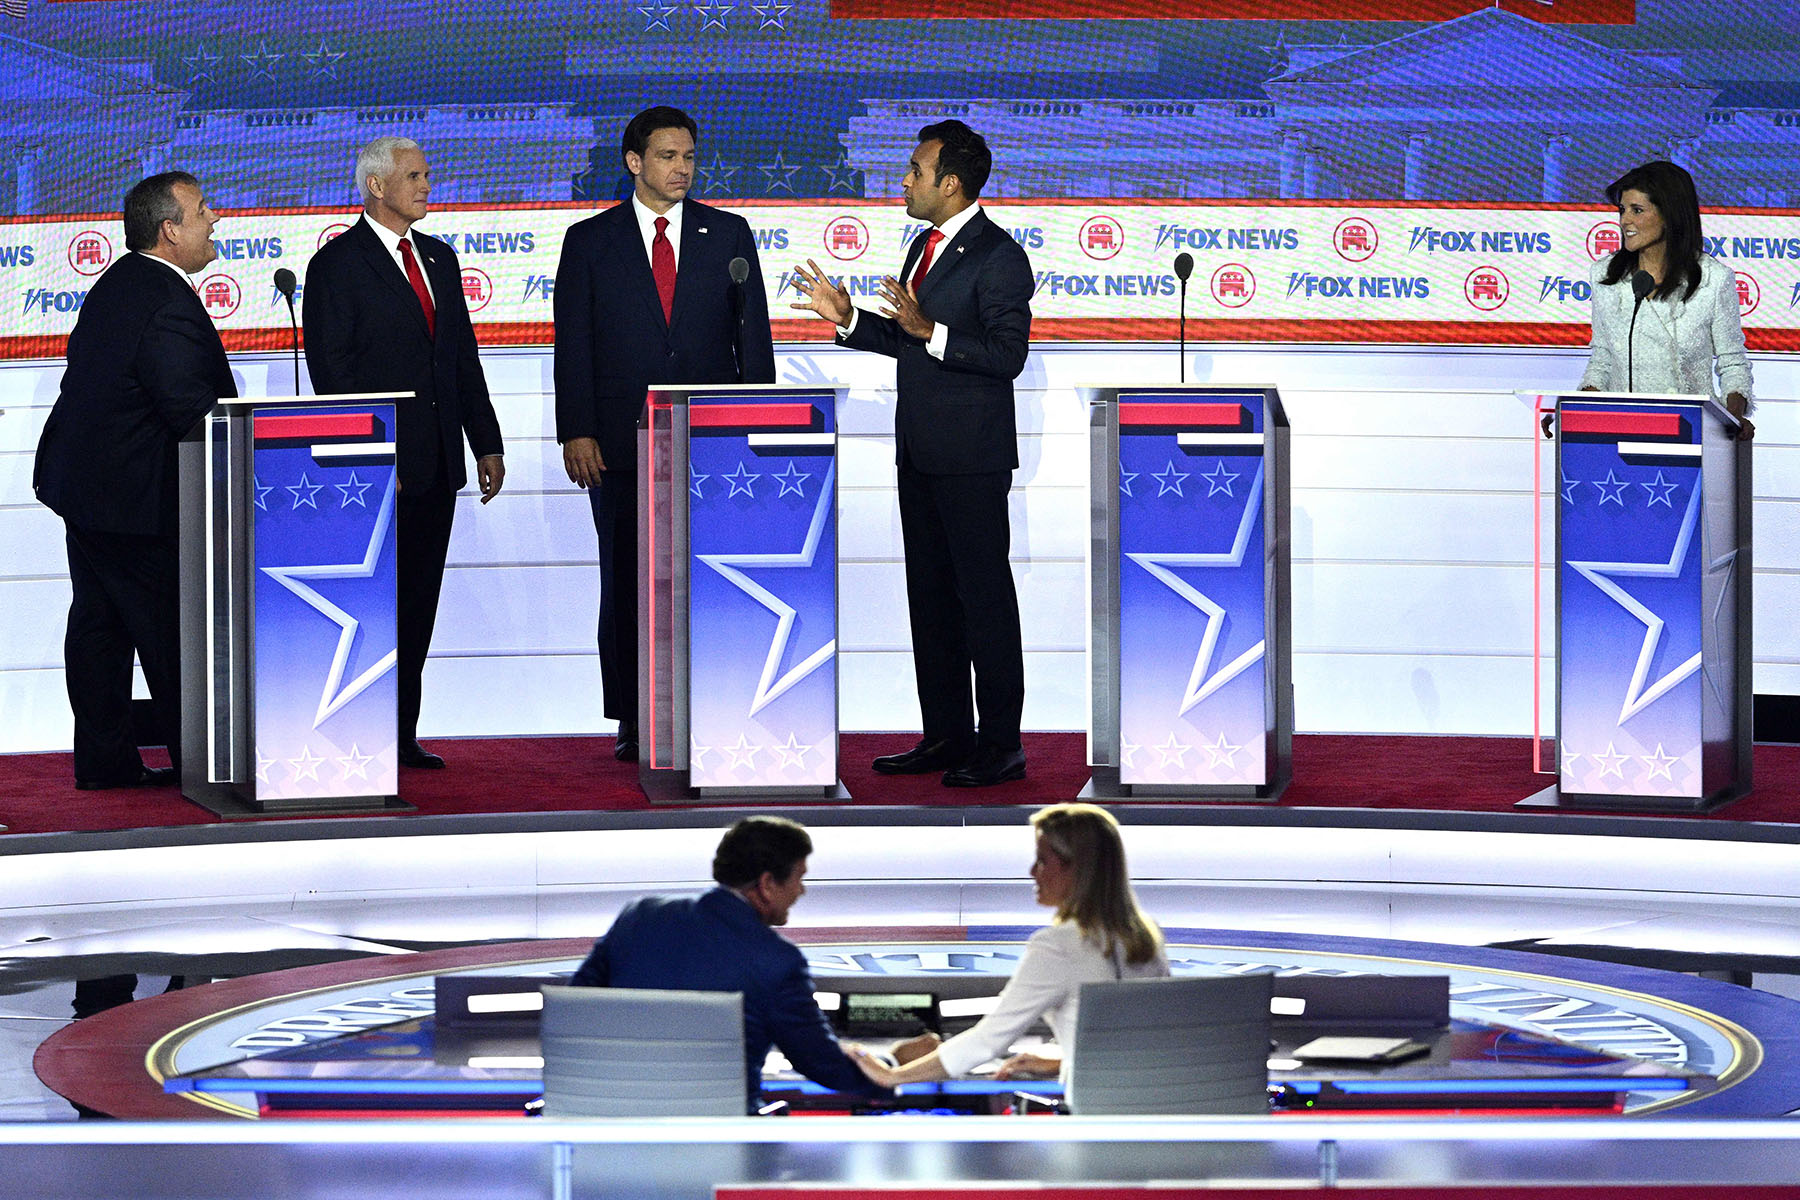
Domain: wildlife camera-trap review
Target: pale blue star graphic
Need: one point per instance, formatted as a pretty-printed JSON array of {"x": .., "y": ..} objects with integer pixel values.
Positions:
[
  {"x": 742, "y": 482},
  {"x": 1639, "y": 695},
  {"x": 769, "y": 687},
  {"x": 201, "y": 64},
  {"x": 769, "y": 16},
  {"x": 262, "y": 492},
  {"x": 305, "y": 493},
  {"x": 1200, "y": 685},
  {"x": 1568, "y": 488},
  {"x": 1612, "y": 489},
  {"x": 715, "y": 176},
  {"x": 656, "y": 16},
  {"x": 695, "y": 479},
  {"x": 839, "y": 174},
  {"x": 336, "y": 693},
  {"x": 1169, "y": 480},
  {"x": 1125, "y": 478},
  {"x": 322, "y": 63},
  {"x": 1219, "y": 480},
  {"x": 262, "y": 63},
  {"x": 792, "y": 482},
  {"x": 713, "y": 15},
  {"x": 779, "y": 174},
  {"x": 353, "y": 491},
  {"x": 1660, "y": 490}
]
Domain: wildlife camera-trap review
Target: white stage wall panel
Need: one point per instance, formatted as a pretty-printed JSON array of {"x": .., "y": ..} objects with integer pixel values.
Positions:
[{"x": 1412, "y": 515}]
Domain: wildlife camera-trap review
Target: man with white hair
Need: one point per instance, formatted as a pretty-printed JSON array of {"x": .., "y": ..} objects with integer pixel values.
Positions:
[{"x": 385, "y": 312}]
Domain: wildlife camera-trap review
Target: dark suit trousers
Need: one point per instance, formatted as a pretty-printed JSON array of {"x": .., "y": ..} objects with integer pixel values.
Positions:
[
  {"x": 126, "y": 599},
  {"x": 421, "y": 543},
  {"x": 614, "y": 501},
  {"x": 959, "y": 593}
]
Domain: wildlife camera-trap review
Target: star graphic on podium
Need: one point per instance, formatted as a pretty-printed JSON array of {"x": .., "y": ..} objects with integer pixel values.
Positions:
[
  {"x": 1125, "y": 478},
  {"x": 695, "y": 479},
  {"x": 1612, "y": 489},
  {"x": 357, "y": 486},
  {"x": 1128, "y": 751},
  {"x": 1639, "y": 695},
  {"x": 792, "y": 754},
  {"x": 262, "y": 492},
  {"x": 305, "y": 493},
  {"x": 769, "y": 16},
  {"x": 713, "y": 15},
  {"x": 1568, "y": 488},
  {"x": 1570, "y": 758},
  {"x": 742, "y": 481},
  {"x": 306, "y": 766},
  {"x": 743, "y": 754},
  {"x": 697, "y": 755},
  {"x": 1660, "y": 491},
  {"x": 656, "y": 16},
  {"x": 1200, "y": 685},
  {"x": 768, "y": 687},
  {"x": 1611, "y": 763},
  {"x": 263, "y": 765},
  {"x": 355, "y": 763},
  {"x": 336, "y": 694},
  {"x": 1172, "y": 749},
  {"x": 1220, "y": 753},
  {"x": 792, "y": 481},
  {"x": 1659, "y": 764},
  {"x": 1169, "y": 480},
  {"x": 1219, "y": 480}
]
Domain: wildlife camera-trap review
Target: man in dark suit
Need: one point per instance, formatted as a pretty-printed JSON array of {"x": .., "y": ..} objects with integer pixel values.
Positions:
[
  {"x": 960, "y": 328},
  {"x": 145, "y": 363},
  {"x": 645, "y": 296},
  {"x": 385, "y": 312},
  {"x": 722, "y": 941}
]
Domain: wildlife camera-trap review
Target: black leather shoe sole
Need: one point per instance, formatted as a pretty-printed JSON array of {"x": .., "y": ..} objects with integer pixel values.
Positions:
[
  {"x": 921, "y": 760},
  {"x": 420, "y": 760},
  {"x": 625, "y": 749}
]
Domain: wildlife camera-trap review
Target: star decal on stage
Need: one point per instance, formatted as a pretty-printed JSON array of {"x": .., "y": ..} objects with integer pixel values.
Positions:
[
  {"x": 778, "y": 174},
  {"x": 772, "y": 684},
  {"x": 743, "y": 754},
  {"x": 792, "y": 754},
  {"x": 1659, "y": 764},
  {"x": 1218, "y": 480},
  {"x": 322, "y": 63},
  {"x": 201, "y": 64},
  {"x": 1640, "y": 694},
  {"x": 262, "y": 63},
  {"x": 262, "y": 492},
  {"x": 1169, "y": 480},
  {"x": 695, "y": 479},
  {"x": 1660, "y": 491},
  {"x": 1125, "y": 479},
  {"x": 336, "y": 693},
  {"x": 1612, "y": 489},
  {"x": 306, "y": 766},
  {"x": 353, "y": 491},
  {"x": 1200, "y": 685},
  {"x": 355, "y": 763},
  {"x": 656, "y": 16},
  {"x": 793, "y": 482},
  {"x": 742, "y": 481},
  {"x": 712, "y": 14},
  {"x": 1172, "y": 750},
  {"x": 305, "y": 493}
]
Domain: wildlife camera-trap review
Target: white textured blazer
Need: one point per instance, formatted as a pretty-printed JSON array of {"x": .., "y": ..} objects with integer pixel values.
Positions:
[{"x": 1677, "y": 342}]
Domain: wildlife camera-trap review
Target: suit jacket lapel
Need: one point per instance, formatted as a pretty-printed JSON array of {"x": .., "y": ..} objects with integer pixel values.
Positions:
[
  {"x": 388, "y": 271},
  {"x": 634, "y": 261},
  {"x": 696, "y": 250},
  {"x": 950, "y": 254}
]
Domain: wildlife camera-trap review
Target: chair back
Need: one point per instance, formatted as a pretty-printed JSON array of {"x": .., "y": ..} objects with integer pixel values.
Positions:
[
  {"x": 1186, "y": 1046},
  {"x": 629, "y": 1052}
]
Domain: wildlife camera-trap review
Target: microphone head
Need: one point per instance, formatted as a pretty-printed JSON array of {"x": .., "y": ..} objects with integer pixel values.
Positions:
[
  {"x": 1642, "y": 284},
  {"x": 285, "y": 282},
  {"x": 1184, "y": 265},
  {"x": 740, "y": 269}
]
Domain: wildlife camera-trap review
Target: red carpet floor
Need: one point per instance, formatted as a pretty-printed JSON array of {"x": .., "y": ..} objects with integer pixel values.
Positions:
[{"x": 535, "y": 775}]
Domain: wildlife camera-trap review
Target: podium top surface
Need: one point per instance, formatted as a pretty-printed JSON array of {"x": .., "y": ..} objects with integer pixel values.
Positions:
[
  {"x": 246, "y": 402},
  {"x": 677, "y": 393}
]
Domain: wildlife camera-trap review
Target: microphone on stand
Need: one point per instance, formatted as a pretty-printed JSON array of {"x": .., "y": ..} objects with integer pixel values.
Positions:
[
  {"x": 1642, "y": 284},
  {"x": 285, "y": 283},
  {"x": 739, "y": 270},
  {"x": 1184, "y": 266}
]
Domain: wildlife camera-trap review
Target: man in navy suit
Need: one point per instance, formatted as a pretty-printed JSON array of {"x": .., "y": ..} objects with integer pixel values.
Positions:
[
  {"x": 960, "y": 328},
  {"x": 723, "y": 941},
  {"x": 144, "y": 363},
  {"x": 385, "y": 312},
  {"x": 644, "y": 296}
]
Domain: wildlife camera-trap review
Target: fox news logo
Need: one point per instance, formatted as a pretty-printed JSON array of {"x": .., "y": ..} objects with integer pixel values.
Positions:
[
  {"x": 221, "y": 295},
  {"x": 1752, "y": 247},
  {"x": 330, "y": 232},
  {"x": 846, "y": 238},
  {"x": 1487, "y": 288},
  {"x": 1749, "y": 294},
  {"x": 1368, "y": 287},
  {"x": 237, "y": 249},
  {"x": 770, "y": 239},
  {"x": 1355, "y": 240},
  {"x": 477, "y": 288},
  {"x": 46, "y": 300},
  {"x": 1429, "y": 239},
  {"x": 1604, "y": 240},
  {"x": 1031, "y": 237},
  {"x": 17, "y": 256},
  {"x": 1101, "y": 238},
  {"x": 853, "y": 285},
  {"x": 539, "y": 287},
  {"x": 1233, "y": 285},
  {"x": 493, "y": 241},
  {"x": 90, "y": 252},
  {"x": 1182, "y": 237},
  {"x": 1058, "y": 283},
  {"x": 1565, "y": 290}
]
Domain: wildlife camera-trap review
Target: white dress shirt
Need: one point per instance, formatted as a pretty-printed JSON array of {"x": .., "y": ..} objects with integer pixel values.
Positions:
[
  {"x": 391, "y": 240},
  {"x": 185, "y": 277},
  {"x": 1046, "y": 983},
  {"x": 940, "y": 332},
  {"x": 646, "y": 219}
]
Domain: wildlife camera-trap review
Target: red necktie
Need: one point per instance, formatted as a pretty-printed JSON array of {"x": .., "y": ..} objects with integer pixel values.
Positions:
[
  {"x": 662, "y": 265},
  {"x": 417, "y": 278},
  {"x": 931, "y": 241}
]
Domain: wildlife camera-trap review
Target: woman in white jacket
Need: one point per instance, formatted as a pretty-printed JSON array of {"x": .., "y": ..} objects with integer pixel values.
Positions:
[
  {"x": 1686, "y": 327},
  {"x": 1098, "y": 934}
]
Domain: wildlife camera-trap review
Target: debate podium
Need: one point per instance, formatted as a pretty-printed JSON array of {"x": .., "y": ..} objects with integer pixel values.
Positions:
[
  {"x": 288, "y": 690},
  {"x": 1192, "y": 693},
  {"x": 737, "y": 593},
  {"x": 1652, "y": 569}
]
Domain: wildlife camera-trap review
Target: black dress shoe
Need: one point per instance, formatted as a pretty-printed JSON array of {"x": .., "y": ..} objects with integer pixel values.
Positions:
[
  {"x": 146, "y": 777},
  {"x": 625, "y": 743},
  {"x": 414, "y": 755},
  {"x": 988, "y": 767},
  {"x": 930, "y": 755}
]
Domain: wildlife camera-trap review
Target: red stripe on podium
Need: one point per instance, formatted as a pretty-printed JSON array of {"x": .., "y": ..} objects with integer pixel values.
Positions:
[
  {"x": 1197, "y": 416},
  {"x": 760, "y": 416},
  {"x": 323, "y": 427},
  {"x": 1622, "y": 424}
]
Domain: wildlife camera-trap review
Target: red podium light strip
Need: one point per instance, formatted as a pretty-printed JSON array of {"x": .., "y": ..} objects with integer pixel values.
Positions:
[
  {"x": 1189, "y": 416},
  {"x": 750, "y": 416},
  {"x": 322, "y": 427},
  {"x": 1622, "y": 424}
]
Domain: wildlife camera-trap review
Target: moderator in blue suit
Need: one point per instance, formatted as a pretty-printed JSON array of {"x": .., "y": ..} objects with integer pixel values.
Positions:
[
  {"x": 724, "y": 941},
  {"x": 645, "y": 295}
]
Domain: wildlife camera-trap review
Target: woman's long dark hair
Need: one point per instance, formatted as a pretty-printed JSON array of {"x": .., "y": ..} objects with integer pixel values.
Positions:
[{"x": 1671, "y": 190}]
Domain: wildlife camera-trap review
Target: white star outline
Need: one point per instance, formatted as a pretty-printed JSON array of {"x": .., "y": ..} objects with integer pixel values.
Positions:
[
  {"x": 334, "y": 696},
  {"x": 1199, "y": 684},
  {"x": 768, "y": 687},
  {"x": 1638, "y": 696}
]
